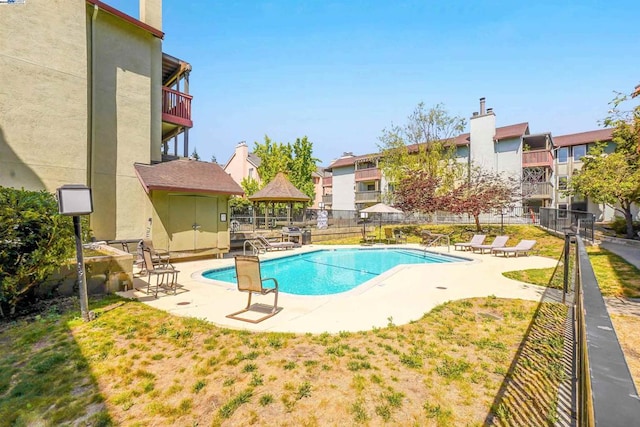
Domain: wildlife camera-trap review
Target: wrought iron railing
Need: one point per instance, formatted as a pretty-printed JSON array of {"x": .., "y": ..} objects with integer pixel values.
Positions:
[
  {"x": 560, "y": 220},
  {"x": 606, "y": 394}
]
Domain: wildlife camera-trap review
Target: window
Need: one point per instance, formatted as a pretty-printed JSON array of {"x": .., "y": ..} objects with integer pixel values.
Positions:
[
  {"x": 562, "y": 182},
  {"x": 251, "y": 173},
  {"x": 562, "y": 210},
  {"x": 579, "y": 151},
  {"x": 563, "y": 154}
]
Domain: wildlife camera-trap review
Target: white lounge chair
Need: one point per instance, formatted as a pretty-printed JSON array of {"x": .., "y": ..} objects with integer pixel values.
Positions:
[
  {"x": 523, "y": 247},
  {"x": 477, "y": 239},
  {"x": 498, "y": 242},
  {"x": 275, "y": 246}
]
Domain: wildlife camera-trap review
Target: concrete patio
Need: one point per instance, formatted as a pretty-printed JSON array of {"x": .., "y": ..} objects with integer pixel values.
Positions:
[{"x": 400, "y": 295}]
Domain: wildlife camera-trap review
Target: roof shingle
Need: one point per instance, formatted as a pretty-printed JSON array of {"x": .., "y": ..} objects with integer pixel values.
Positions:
[
  {"x": 186, "y": 175},
  {"x": 280, "y": 189},
  {"x": 583, "y": 137}
]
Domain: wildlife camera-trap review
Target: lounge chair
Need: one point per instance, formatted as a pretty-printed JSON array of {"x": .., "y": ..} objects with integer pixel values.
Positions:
[
  {"x": 367, "y": 239},
  {"x": 389, "y": 236},
  {"x": 161, "y": 273},
  {"x": 498, "y": 242},
  {"x": 523, "y": 247},
  {"x": 250, "y": 280},
  {"x": 400, "y": 237},
  {"x": 159, "y": 258},
  {"x": 477, "y": 239},
  {"x": 275, "y": 246}
]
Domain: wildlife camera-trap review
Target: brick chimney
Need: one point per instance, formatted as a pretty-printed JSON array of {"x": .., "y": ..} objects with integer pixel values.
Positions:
[{"x": 151, "y": 13}]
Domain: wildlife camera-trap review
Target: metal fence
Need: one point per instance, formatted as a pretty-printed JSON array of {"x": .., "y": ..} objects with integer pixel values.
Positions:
[
  {"x": 245, "y": 220},
  {"x": 560, "y": 220},
  {"x": 606, "y": 394}
]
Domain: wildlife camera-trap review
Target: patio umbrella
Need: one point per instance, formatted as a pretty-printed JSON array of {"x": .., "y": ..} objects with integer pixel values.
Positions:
[{"x": 381, "y": 208}]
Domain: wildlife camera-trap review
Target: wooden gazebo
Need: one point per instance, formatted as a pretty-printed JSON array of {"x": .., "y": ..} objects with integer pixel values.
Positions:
[{"x": 279, "y": 190}]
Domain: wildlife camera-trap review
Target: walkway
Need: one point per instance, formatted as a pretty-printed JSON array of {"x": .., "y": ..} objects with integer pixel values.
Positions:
[
  {"x": 629, "y": 250},
  {"x": 401, "y": 295}
]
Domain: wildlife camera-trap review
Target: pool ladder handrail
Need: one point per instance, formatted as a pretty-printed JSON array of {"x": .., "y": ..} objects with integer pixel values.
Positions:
[
  {"x": 256, "y": 247},
  {"x": 433, "y": 242}
]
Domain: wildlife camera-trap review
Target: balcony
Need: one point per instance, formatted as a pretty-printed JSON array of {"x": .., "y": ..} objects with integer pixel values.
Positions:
[
  {"x": 176, "y": 107},
  {"x": 327, "y": 181},
  {"x": 327, "y": 199},
  {"x": 536, "y": 190},
  {"x": 368, "y": 196},
  {"x": 537, "y": 158},
  {"x": 370, "y": 174}
]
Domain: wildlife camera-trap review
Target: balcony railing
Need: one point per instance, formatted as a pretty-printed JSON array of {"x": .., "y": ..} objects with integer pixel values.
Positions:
[
  {"x": 176, "y": 107},
  {"x": 370, "y": 174},
  {"x": 537, "y": 158},
  {"x": 368, "y": 196},
  {"x": 536, "y": 190},
  {"x": 327, "y": 199}
]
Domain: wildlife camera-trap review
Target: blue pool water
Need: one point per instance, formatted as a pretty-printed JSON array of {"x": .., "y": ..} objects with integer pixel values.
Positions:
[{"x": 333, "y": 271}]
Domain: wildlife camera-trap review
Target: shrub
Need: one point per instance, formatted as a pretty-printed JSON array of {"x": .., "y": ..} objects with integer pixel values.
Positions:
[
  {"x": 619, "y": 225},
  {"x": 34, "y": 241}
]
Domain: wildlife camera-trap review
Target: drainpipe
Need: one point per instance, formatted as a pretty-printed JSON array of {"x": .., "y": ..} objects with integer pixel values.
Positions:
[{"x": 91, "y": 103}]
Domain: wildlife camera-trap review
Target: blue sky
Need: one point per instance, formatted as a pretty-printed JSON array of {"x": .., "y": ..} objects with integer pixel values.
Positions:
[{"x": 340, "y": 72}]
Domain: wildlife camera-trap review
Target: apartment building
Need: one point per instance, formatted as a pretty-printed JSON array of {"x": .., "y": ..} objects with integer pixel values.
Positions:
[
  {"x": 93, "y": 100},
  {"x": 358, "y": 181},
  {"x": 569, "y": 151},
  {"x": 543, "y": 163}
]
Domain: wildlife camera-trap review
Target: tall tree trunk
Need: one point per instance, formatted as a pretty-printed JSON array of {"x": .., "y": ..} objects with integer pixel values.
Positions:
[
  {"x": 629, "y": 219},
  {"x": 477, "y": 219}
]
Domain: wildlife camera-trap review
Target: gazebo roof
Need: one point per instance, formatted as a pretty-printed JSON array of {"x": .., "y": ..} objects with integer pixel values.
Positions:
[{"x": 280, "y": 189}]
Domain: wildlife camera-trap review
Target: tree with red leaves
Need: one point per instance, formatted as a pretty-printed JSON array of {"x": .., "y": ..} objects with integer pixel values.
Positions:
[
  {"x": 418, "y": 192},
  {"x": 482, "y": 192}
]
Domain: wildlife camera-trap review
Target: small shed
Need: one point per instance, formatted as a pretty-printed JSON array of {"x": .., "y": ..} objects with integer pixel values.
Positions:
[{"x": 279, "y": 190}]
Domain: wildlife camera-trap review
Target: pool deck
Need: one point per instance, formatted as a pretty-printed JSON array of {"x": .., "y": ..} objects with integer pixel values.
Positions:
[{"x": 401, "y": 295}]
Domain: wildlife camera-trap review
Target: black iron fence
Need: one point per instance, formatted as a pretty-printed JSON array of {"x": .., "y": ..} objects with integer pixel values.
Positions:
[
  {"x": 606, "y": 394},
  {"x": 248, "y": 220},
  {"x": 560, "y": 220}
]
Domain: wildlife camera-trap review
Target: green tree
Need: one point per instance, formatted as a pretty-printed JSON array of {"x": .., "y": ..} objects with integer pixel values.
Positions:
[
  {"x": 34, "y": 241},
  {"x": 425, "y": 144},
  {"x": 274, "y": 157},
  {"x": 195, "y": 155},
  {"x": 614, "y": 179},
  {"x": 249, "y": 185},
  {"x": 296, "y": 161},
  {"x": 303, "y": 165}
]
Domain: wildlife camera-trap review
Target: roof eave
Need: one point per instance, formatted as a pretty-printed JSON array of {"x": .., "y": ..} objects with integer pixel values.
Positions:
[{"x": 128, "y": 18}]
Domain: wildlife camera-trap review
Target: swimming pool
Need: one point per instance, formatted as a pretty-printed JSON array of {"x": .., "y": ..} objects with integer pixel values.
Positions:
[{"x": 331, "y": 271}]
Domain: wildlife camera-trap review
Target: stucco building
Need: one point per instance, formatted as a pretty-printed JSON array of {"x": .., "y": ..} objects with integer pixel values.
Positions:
[
  {"x": 91, "y": 95},
  {"x": 541, "y": 162}
]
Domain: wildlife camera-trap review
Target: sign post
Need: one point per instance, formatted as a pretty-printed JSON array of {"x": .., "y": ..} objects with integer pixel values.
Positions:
[{"x": 75, "y": 200}]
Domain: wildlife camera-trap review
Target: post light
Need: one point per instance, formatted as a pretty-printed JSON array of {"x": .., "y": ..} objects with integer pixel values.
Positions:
[
  {"x": 75, "y": 200},
  {"x": 321, "y": 206}
]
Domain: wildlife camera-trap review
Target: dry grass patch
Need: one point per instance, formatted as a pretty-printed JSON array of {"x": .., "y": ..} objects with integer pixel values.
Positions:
[{"x": 152, "y": 368}]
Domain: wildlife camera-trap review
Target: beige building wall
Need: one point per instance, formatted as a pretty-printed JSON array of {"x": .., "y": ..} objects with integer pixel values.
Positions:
[
  {"x": 125, "y": 59},
  {"x": 54, "y": 52},
  {"x": 43, "y": 97}
]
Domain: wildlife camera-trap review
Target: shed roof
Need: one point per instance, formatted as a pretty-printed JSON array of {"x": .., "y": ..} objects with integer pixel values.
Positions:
[{"x": 186, "y": 175}]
